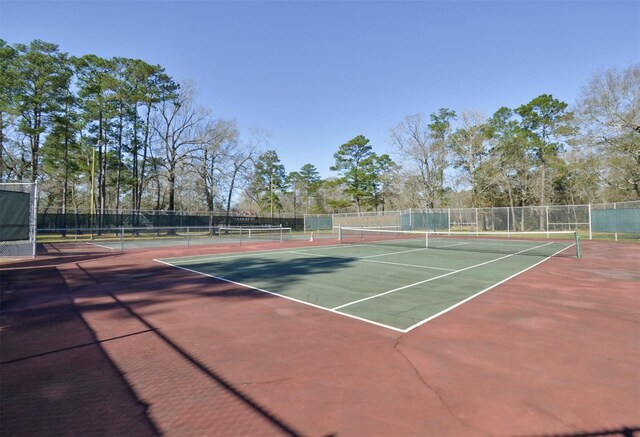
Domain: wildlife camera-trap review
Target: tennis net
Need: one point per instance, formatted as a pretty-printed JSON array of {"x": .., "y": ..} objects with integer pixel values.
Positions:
[
  {"x": 255, "y": 233},
  {"x": 553, "y": 243}
]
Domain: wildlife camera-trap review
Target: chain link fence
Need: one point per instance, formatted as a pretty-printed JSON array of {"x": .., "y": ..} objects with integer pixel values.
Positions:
[
  {"x": 112, "y": 218},
  {"x": 114, "y": 240},
  {"x": 619, "y": 220}
]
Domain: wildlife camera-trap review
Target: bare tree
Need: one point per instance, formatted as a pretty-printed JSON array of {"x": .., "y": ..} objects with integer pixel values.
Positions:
[
  {"x": 609, "y": 116},
  {"x": 421, "y": 148},
  {"x": 221, "y": 141},
  {"x": 180, "y": 128}
]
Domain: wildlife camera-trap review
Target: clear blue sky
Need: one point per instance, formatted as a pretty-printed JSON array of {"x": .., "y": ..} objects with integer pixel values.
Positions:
[{"x": 316, "y": 74}]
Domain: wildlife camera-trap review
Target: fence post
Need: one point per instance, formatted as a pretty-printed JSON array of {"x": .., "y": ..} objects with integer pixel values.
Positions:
[
  {"x": 547, "y": 219},
  {"x": 33, "y": 221},
  {"x": 476, "y": 220},
  {"x": 590, "y": 224},
  {"x": 616, "y": 233}
]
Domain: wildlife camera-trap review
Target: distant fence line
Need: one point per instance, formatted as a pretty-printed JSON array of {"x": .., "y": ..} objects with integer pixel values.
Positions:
[
  {"x": 79, "y": 219},
  {"x": 607, "y": 218}
]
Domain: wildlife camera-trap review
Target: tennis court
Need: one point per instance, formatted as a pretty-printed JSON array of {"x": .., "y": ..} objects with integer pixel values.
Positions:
[
  {"x": 120, "y": 239},
  {"x": 318, "y": 339},
  {"x": 397, "y": 280}
]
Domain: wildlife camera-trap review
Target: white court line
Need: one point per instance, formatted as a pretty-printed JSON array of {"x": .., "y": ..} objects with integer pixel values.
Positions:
[
  {"x": 100, "y": 245},
  {"x": 360, "y": 318},
  {"x": 500, "y": 243},
  {"x": 200, "y": 258},
  {"x": 281, "y": 295},
  {"x": 391, "y": 253},
  {"x": 446, "y": 310},
  {"x": 436, "y": 277},
  {"x": 381, "y": 262},
  {"x": 406, "y": 265},
  {"x": 196, "y": 258},
  {"x": 449, "y": 245}
]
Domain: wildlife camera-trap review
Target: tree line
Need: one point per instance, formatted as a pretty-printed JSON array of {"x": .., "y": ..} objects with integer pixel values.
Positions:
[{"x": 120, "y": 133}]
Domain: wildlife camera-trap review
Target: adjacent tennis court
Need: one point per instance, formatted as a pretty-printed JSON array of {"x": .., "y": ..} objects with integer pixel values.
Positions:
[
  {"x": 398, "y": 280},
  {"x": 120, "y": 239}
]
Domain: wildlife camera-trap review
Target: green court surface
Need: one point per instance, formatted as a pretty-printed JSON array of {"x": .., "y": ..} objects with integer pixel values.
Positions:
[{"x": 397, "y": 285}]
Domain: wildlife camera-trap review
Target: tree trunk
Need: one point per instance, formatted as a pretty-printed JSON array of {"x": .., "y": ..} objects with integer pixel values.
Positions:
[
  {"x": 65, "y": 184},
  {"x": 35, "y": 145},
  {"x": 543, "y": 175},
  {"x": 1, "y": 144},
  {"x": 119, "y": 174},
  {"x": 171, "y": 178},
  {"x": 236, "y": 169},
  {"x": 134, "y": 170},
  {"x": 512, "y": 210},
  {"x": 145, "y": 148}
]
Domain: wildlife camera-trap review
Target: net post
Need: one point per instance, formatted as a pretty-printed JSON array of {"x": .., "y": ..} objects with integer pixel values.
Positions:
[
  {"x": 340, "y": 233},
  {"x": 188, "y": 242},
  {"x": 448, "y": 221},
  {"x": 426, "y": 240},
  {"x": 280, "y": 233},
  {"x": 122, "y": 239},
  {"x": 578, "y": 252},
  {"x": 590, "y": 224}
]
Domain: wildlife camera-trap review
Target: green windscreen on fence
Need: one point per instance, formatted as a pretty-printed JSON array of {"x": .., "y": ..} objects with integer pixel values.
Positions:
[
  {"x": 616, "y": 220},
  {"x": 426, "y": 220},
  {"x": 318, "y": 222},
  {"x": 14, "y": 215}
]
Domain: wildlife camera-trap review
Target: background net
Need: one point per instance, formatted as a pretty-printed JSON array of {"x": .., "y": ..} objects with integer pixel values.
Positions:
[{"x": 556, "y": 243}]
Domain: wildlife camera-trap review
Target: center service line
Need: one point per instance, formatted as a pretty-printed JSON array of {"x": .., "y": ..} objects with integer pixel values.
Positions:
[{"x": 437, "y": 277}]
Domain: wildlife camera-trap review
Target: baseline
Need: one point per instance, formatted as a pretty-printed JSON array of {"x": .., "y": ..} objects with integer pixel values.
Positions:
[{"x": 251, "y": 287}]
